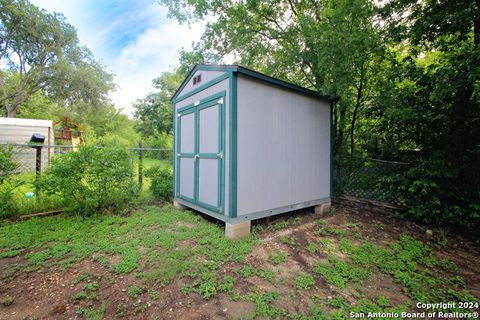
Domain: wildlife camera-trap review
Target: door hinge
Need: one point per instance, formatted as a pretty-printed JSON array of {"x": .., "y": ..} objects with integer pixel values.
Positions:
[
  {"x": 220, "y": 101},
  {"x": 220, "y": 155}
]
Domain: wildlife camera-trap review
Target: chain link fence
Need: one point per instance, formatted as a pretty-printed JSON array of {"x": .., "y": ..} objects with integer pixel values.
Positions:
[
  {"x": 30, "y": 161},
  {"x": 368, "y": 178}
]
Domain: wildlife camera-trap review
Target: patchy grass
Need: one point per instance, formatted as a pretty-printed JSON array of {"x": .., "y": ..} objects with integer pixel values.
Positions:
[{"x": 163, "y": 263}]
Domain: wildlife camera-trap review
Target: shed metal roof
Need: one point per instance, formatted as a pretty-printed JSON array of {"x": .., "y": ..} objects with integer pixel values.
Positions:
[
  {"x": 250, "y": 73},
  {"x": 26, "y": 122}
]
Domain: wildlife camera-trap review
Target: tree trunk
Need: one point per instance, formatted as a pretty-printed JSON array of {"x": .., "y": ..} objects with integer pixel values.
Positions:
[
  {"x": 340, "y": 127},
  {"x": 354, "y": 117}
]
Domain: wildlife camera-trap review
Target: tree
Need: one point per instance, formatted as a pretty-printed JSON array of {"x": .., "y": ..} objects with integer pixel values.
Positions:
[
  {"x": 329, "y": 46},
  {"x": 155, "y": 110},
  {"x": 41, "y": 52},
  {"x": 430, "y": 104}
]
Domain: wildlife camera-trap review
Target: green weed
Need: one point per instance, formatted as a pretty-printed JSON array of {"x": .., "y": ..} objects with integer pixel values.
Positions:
[
  {"x": 153, "y": 294},
  {"x": 312, "y": 248},
  {"x": 92, "y": 313},
  {"x": 264, "y": 304},
  {"x": 278, "y": 226},
  {"x": 289, "y": 241},
  {"x": 304, "y": 282},
  {"x": 7, "y": 301},
  {"x": 134, "y": 291},
  {"x": 279, "y": 258}
]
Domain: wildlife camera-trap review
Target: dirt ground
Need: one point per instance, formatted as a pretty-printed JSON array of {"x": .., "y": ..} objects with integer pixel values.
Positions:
[{"x": 50, "y": 293}]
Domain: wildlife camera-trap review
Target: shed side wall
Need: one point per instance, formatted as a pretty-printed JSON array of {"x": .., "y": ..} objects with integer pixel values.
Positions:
[
  {"x": 18, "y": 134},
  {"x": 283, "y": 147},
  {"x": 221, "y": 86}
]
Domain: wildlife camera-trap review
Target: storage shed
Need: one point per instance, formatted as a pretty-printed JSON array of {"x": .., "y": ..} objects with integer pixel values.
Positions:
[
  {"x": 19, "y": 131},
  {"x": 249, "y": 146}
]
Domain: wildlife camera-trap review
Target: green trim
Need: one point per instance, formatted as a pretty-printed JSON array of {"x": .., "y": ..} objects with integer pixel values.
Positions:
[
  {"x": 331, "y": 149},
  {"x": 199, "y": 88},
  {"x": 196, "y": 108},
  {"x": 251, "y": 216},
  {"x": 201, "y": 209},
  {"x": 178, "y": 155},
  {"x": 209, "y": 206},
  {"x": 248, "y": 72},
  {"x": 233, "y": 127},
  {"x": 181, "y": 196},
  {"x": 203, "y": 101},
  {"x": 174, "y": 151},
  {"x": 279, "y": 210},
  {"x": 280, "y": 83},
  {"x": 196, "y": 160}
]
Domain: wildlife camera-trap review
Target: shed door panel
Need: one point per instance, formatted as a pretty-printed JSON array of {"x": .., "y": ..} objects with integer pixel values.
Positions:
[
  {"x": 200, "y": 153},
  {"x": 210, "y": 154},
  {"x": 187, "y": 133},
  {"x": 209, "y": 129},
  {"x": 186, "y": 155},
  {"x": 208, "y": 187},
  {"x": 187, "y": 170}
]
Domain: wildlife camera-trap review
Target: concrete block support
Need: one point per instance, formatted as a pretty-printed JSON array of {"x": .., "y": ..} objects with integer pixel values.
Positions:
[
  {"x": 323, "y": 209},
  {"x": 237, "y": 230},
  {"x": 179, "y": 206}
]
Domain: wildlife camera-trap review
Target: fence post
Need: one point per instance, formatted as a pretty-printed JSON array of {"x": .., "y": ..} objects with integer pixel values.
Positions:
[
  {"x": 38, "y": 168},
  {"x": 140, "y": 164}
]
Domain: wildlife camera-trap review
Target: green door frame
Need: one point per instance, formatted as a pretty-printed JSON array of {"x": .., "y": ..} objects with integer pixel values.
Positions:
[{"x": 196, "y": 108}]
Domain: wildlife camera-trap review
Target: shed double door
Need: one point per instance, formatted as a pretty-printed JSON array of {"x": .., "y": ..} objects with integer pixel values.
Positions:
[{"x": 200, "y": 153}]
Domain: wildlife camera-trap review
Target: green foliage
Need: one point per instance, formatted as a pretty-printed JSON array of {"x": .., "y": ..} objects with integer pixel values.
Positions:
[
  {"x": 153, "y": 294},
  {"x": 279, "y": 258},
  {"x": 134, "y": 291},
  {"x": 92, "y": 180},
  {"x": 161, "y": 182},
  {"x": 278, "y": 225},
  {"x": 264, "y": 304},
  {"x": 7, "y": 164},
  {"x": 247, "y": 271},
  {"x": 408, "y": 87},
  {"x": 338, "y": 272},
  {"x": 304, "y": 282},
  {"x": 155, "y": 111},
  {"x": 8, "y": 206},
  {"x": 41, "y": 51},
  {"x": 92, "y": 313},
  {"x": 7, "y": 301}
]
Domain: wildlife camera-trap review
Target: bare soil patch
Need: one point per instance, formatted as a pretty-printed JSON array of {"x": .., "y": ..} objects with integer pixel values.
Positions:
[{"x": 54, "y": 293}]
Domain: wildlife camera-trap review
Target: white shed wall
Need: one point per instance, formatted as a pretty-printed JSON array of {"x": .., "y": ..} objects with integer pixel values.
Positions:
[
  {"x": 283, "y": 147},
  {"x": 219, "y": 87},
  {"x": 19, "y": 131}
]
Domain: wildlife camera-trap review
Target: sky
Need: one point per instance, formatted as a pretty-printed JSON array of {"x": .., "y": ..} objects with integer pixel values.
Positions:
[{"x": 133, "y": 39}]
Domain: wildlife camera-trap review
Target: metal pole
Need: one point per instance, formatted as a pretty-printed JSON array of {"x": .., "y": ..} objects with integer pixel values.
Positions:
[
  {"x": 140, "y": 164},
  {"x": 38, "y": 167}
]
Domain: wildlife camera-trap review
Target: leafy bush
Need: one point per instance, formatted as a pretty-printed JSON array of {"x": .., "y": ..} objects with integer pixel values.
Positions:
[
  {"x": 8, "y": 206},
  {"x": 161, "y": 182},
  {"x": 7, "y": 164},
  {"x": 441, "y": 192},
  {"x": 92, "y": 180}
]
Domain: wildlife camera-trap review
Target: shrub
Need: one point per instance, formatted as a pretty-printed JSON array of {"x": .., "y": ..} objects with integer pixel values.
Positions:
[
  {"x": 92, "y": 180},
  {"x": 161, "y": 182},
  {"x": 7, "y": 164},
  {"x": 8, "y": 206}
]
